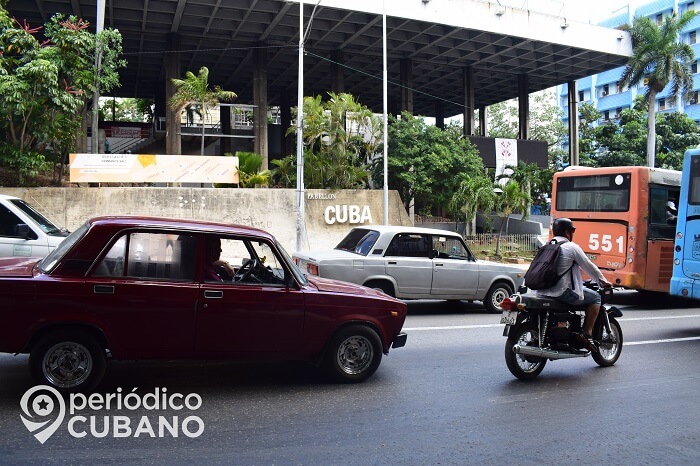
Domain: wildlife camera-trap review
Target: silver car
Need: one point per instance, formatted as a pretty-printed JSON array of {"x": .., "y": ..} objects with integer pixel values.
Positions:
[{"x": 414, "y": 263}]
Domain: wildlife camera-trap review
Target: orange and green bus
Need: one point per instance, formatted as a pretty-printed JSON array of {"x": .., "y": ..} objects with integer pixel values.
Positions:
[{"x": 622, "y": 222}]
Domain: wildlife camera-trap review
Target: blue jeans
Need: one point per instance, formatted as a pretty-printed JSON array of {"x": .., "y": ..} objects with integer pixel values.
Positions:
[{"x": 589, "y": 297}]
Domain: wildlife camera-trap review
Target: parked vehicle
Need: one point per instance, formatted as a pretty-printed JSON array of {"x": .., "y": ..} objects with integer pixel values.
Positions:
[
  {"x": 414, "y": 263},
  {"x": 24, "y": 232},
  {"x": 141, "y": 288},
  {"x": 540, "y": 329}
]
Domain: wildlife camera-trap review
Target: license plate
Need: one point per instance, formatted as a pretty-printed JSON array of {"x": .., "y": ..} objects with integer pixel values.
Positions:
[{"x": 508, "y": 317}]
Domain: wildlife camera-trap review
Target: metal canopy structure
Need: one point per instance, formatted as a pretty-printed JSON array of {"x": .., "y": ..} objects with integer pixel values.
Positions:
[{"x": 222, "y": 34}]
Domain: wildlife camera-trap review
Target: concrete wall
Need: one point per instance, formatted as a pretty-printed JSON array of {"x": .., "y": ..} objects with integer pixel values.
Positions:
[{"x": 272, "y": 210}]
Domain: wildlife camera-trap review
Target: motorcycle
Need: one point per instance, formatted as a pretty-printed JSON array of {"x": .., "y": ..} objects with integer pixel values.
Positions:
[{"x": 539, "y": 329}]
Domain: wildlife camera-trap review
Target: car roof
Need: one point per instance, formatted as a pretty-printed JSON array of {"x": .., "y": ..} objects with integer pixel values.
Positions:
[
  {"x": 182, "y": 224},
  {"x": 409, "y": 229},
  {"x": 5, "y": 196}
]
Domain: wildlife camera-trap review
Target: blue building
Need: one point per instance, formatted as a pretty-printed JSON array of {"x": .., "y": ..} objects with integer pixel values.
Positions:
[{"x": 602, "y": 90}]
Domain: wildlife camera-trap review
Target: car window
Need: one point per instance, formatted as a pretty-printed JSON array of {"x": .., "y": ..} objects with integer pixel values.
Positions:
[
  {"x": 241, "y": 260},
  {"x": 450, "y": 247},
  {"x": 44, "y": 223},
  {"x": 151, "y": 256},
  {"x": 359, "y": 241},
  {"x": 8, "y": 223},
  {"x": 409, "y": 245}
]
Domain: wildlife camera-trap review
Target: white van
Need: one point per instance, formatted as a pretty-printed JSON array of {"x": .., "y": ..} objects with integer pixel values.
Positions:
[{"x": 24, "y": 232}]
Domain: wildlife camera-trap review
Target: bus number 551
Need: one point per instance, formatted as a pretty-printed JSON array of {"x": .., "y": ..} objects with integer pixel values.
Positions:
[{"x": 605, "y": 243}]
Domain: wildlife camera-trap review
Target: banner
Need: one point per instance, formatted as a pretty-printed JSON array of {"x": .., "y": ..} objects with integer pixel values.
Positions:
[
  {"x": 506, "y": 154},
  {"x": 152, "y": 168}
]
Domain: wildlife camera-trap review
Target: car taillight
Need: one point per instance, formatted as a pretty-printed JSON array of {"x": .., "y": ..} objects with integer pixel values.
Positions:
[
  {"x": 312, "y": 269},
  {"x": 507, "y": 304}
]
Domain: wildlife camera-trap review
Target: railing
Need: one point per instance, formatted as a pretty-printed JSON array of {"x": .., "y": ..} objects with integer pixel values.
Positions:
[{"x": 509, "y": 243}]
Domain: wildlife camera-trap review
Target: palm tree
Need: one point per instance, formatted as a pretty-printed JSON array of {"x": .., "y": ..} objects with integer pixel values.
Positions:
[
  {"x": 194, "y": 90},
  {"x": 475, "y": 192},
  {"x": 659, "y": 59},
  {"x": 525, "y": 175},
  {"x": 511, "y": 199}
]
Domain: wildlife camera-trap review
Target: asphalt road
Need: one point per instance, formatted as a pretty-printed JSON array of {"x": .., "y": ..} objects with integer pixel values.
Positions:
[{"x": 445, "y": 398}]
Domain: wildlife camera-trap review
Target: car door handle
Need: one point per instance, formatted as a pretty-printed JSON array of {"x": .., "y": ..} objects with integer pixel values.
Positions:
[
  {"x": 213, "y": 294},
  {"x": 392, "y": 262},
  {"x": 439, "y": 265},
  {"x": 104, "y": 289}
]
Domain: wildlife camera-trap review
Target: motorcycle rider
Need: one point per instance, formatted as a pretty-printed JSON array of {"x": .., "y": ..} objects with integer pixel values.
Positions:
[{"x": 569, "y": 289}]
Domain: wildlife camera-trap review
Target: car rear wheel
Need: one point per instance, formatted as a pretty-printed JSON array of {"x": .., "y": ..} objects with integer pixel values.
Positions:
[
  {"x": 496, "y": 294},
  {"x": 354, "y": 354},
  {"x": 68, "y": 361}
]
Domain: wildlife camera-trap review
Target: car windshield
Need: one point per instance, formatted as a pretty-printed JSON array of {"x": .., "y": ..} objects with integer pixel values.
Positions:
[
  {"x": 293, "y": 267},
  {"x": 44, "y": 223},
  {"x": 50, "y": 261},
  {"x": 359, "y": 241}
]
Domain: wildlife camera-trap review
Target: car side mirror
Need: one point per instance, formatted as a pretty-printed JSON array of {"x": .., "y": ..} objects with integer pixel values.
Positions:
[
  {"x": 434, "y": 253},
  {"x": 23, "y": 231}
]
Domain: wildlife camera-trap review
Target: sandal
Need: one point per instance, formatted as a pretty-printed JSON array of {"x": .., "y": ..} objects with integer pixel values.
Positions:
[{"x": 586, "y": 339}]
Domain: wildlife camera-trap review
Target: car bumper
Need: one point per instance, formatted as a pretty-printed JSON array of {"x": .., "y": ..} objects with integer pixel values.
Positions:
[{"x": 399, "y": 341}]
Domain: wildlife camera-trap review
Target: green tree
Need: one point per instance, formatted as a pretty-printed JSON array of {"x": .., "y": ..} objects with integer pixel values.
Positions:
[
  {"x": 511, "y": 199},
  {"x": 195, "y": 91},
  {"x": 43, "y": 86},
  {"x": 340, "y": 138},
  {"x": 527, "y": 176},
  {"x": 425, "y": 162},
  {"x": 623, "y": 142},
  {"x": 658, "y": 59},
  {"x": 475, "y": 192}
]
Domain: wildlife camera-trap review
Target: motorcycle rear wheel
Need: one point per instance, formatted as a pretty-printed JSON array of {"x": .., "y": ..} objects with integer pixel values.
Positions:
[
  {"x": 522, "y": 366},
  {"x": 610, "y": 345}
]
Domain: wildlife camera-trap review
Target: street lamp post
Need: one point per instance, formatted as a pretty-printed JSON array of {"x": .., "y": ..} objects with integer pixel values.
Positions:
[{"x": 300, "y": 146}]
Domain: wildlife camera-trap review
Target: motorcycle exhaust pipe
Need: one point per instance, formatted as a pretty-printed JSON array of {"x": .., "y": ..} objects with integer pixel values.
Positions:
[{"x": 546, "y": 353}]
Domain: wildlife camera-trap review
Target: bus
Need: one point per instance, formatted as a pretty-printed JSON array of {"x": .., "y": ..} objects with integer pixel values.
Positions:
[
  {"x": 622, "y": 222},
  {"x": 686, "y": 261}
]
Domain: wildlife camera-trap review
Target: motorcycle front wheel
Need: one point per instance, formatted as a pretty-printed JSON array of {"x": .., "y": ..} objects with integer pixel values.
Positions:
[
  {"x": 610, "y": 345},
  {"x": 522, "y": 366}
]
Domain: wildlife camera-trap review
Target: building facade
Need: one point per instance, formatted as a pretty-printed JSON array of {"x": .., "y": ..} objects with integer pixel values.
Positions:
[{"x": 603, "y": 91}]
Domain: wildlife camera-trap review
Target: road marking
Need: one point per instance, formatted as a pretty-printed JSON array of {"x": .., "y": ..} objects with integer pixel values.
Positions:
[
  {"x": 657, "y": 318},
  {"x": 665, "y": 340},
  {"x": 455, "y": 327},
  {"x": 623, "y": 319}
]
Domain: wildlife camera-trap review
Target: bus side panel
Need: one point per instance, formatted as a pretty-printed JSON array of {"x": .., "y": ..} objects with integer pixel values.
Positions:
[
  {"x": 686, "y": 268},
  {"x": 659, "y": 266}
]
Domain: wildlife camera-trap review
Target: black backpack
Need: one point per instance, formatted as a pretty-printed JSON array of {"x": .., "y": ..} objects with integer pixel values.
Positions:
[{"x": 542, "y": 273}]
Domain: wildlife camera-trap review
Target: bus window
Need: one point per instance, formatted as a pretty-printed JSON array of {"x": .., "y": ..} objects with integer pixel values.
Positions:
[
  {"x": 599, "y": 193},
  {"x": 661, "y": 223}
]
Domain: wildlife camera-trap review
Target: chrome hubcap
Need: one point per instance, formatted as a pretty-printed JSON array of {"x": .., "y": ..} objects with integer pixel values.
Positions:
[
  {"x": 67, "y": 364},
  {"x": 355, "y": 355}
]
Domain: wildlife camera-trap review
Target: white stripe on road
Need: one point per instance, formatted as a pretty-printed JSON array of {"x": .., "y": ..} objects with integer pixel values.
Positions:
[
  {"x": 467, "y": 327},
  {"x": 667, "y": 340},
  {"x": 657, "y": 318}
]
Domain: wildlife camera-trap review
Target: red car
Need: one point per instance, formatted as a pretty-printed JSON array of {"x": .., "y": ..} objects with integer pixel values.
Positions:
[{"x": 156, "y": 288}]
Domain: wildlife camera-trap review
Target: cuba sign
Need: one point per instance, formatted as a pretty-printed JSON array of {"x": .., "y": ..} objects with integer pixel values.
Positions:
[{"x": 347, "y": 214}]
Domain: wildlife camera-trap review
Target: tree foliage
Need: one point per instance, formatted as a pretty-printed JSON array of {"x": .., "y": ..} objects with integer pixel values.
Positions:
[
  {"x": 340, "y": 137},
  {"x": 194, "y": 91},
  {"x": 623, "y": 142},
  {"x": 426, "y": 163},
  {"x": 659, "y": 58},
  {"x": 44, "y": 84}
]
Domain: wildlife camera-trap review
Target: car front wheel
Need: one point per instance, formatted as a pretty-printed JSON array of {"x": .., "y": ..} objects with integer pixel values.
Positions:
[
  {"x": 68, "y": 361},
  {"x": 354, "y": 354}
]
